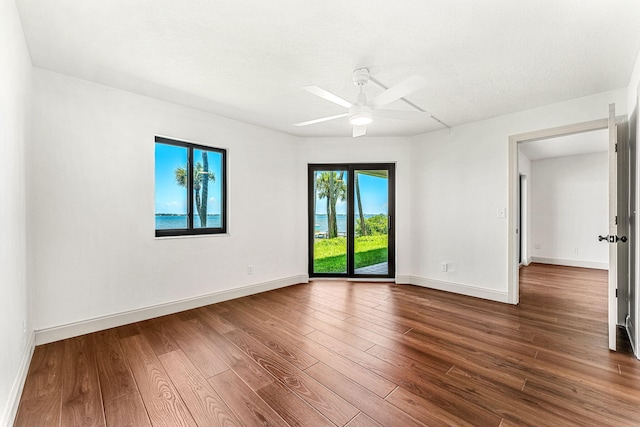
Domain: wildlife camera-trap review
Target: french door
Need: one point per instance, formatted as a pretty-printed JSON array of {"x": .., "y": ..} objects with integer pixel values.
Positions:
[{"x": 351, "y": 220}]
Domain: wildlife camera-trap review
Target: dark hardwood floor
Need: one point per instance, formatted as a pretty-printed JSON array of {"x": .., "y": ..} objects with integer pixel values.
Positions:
[{"x": 350, "y": 353}]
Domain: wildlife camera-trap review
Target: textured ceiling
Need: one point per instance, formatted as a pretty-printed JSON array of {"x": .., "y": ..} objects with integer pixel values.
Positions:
[{"x": 248, "y": 59}]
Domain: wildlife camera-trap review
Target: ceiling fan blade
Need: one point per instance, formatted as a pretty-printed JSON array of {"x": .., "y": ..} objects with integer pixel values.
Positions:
[
  {"x": 323, "y": 119},
  {"x": 328, "y": 96},
  {"x": 402, "y": 89},
  {"x": 359, "y": 131},
  {"x": 412, "y": 116}
]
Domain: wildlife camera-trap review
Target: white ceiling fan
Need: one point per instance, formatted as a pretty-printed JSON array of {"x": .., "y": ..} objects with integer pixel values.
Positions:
[{"x": 364, "y": 111}]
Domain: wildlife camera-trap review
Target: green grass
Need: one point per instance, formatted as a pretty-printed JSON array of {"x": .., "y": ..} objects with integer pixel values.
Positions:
[{"x": 330, "y": 253}]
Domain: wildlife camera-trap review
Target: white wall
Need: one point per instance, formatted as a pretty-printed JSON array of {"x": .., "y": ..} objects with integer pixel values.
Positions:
[
  {"x": 91, "y": 203},
  {"x": 15, "y": 348},
  {"x": 366, "y": 150},
  {"x": 524, "y": 169},
  {"x": 460, "y": 180},
  {"x": 569, "y": 209}
]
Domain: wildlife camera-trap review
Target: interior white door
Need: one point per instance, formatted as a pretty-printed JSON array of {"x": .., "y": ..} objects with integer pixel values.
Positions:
[{"x": 613, "y": 227}]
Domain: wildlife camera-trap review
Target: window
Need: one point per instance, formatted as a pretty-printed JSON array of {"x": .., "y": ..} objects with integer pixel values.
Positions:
[{"x": 190, "y": 189}]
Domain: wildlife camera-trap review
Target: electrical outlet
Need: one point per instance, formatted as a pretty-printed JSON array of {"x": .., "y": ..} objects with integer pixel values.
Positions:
[
  {"x": 537, "y": 246},
  {"x": 250, "y": 269},
  {"x": 444, "y": 267},
  {"x": 576, "y": 251}
]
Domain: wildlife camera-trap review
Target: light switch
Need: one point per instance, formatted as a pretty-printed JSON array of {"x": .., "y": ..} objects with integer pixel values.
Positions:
[{"x": 502, "y": 212}]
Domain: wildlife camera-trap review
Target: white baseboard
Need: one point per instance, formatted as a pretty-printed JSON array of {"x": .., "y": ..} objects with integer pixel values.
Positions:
[
  {"x": 403, "y": 279},
  {"x": 571, "y": 263},
  {"x": 11, "y": 410},
  {"x": 57, "y": 333},
  {"x": 472, "y": 291}
]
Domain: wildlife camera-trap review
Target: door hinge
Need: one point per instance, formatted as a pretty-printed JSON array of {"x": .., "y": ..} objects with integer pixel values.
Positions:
[
  {"x": 616, "y": 292},
  {"x": 616, "y": 219},
  {"x": 616, "y": 148}
]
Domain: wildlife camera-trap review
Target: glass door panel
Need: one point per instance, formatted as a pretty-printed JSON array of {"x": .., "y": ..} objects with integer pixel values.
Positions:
[
  {"x": 371, "y": 222},
  {"x": 329, "y": 218},
  {"x": 351, "y": 228}
]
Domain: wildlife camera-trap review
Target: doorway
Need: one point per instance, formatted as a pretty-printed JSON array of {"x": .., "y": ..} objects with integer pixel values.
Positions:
[
  {"x": 617, "y": 218},
  {"x": 351, "y": 220}
]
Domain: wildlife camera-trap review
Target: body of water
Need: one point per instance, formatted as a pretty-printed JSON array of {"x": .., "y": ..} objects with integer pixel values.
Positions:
[
  {"x": 166, "y": 222},
  {"x": 322, "y": 222}
]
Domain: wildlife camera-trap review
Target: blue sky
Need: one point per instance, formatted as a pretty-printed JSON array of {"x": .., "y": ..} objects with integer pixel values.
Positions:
[
  {"x": 374, "y": 193},
  {"x": 170, "y": 197}
]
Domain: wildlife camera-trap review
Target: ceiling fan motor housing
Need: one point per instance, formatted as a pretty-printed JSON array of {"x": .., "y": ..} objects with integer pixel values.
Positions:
[{"x": 361, "y": 76}]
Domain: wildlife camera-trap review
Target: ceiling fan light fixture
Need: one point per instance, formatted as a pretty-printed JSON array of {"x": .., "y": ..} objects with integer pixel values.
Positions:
[{"x": 361, "y": 118}]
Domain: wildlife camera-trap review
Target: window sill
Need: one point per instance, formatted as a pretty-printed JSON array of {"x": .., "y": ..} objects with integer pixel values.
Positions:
[{"x": 191, "y": 236}]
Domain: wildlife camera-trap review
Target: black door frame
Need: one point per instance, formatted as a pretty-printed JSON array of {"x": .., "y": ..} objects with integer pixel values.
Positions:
[{"x": 350, "y": 168}]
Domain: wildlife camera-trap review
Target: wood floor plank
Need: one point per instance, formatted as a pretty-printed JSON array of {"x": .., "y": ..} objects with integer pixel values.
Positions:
[
  {"x": 157, "y": 335},
  {"x": 427, "y": 354},
  {"x": 379, "y": 318},
  {"x": 585, "y": 403},
  {"x": 126, "y": 411},
  {"x": 362, "y": 420},
  {"x": 366, "y": 360},
  {"x": 43, "y": 410},
  {"x": 126, "y": 331},
  {"x": 116, "y": 379},
  {"x": 346, "y": 367},
  {"x": 315, "y": 394},
  {"x": 599, "y": 380},
  {"x": 507, "y": 402},
  {"x": 319, "y": 304},
  {"x": 323, "y": 322},
  {"x": 45, "y": 370},
  {"x": 254, "y": 375},
  {"x": 373, "y": 406},
  {"x": 81, "y": 398},
  {"x": 275, "y": 304},
  {"x": 163, "y": 404},
  {"x": 204, "y": 403},
  {"x": 208, "y": 362},
  {"x": 294, "y": 410},
  {"x": 424, "y": 381},
  {"x": 214, "y": 318},
  {"x": 435, "y": 352},
  {"x": 259, "y": 330},
  {"x": 244, "y": 402},
  {"x": 424, "y": 410},
  {"x": 287, "y": 318}
]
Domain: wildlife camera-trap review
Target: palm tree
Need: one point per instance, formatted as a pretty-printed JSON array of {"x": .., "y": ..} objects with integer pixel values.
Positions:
[
  {"x": 201, "y": 178},
  {"x": 331, "y": 186}
]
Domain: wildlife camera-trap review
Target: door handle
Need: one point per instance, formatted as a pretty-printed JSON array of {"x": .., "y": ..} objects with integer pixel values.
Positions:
[{"x": 612, "y": 239}]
